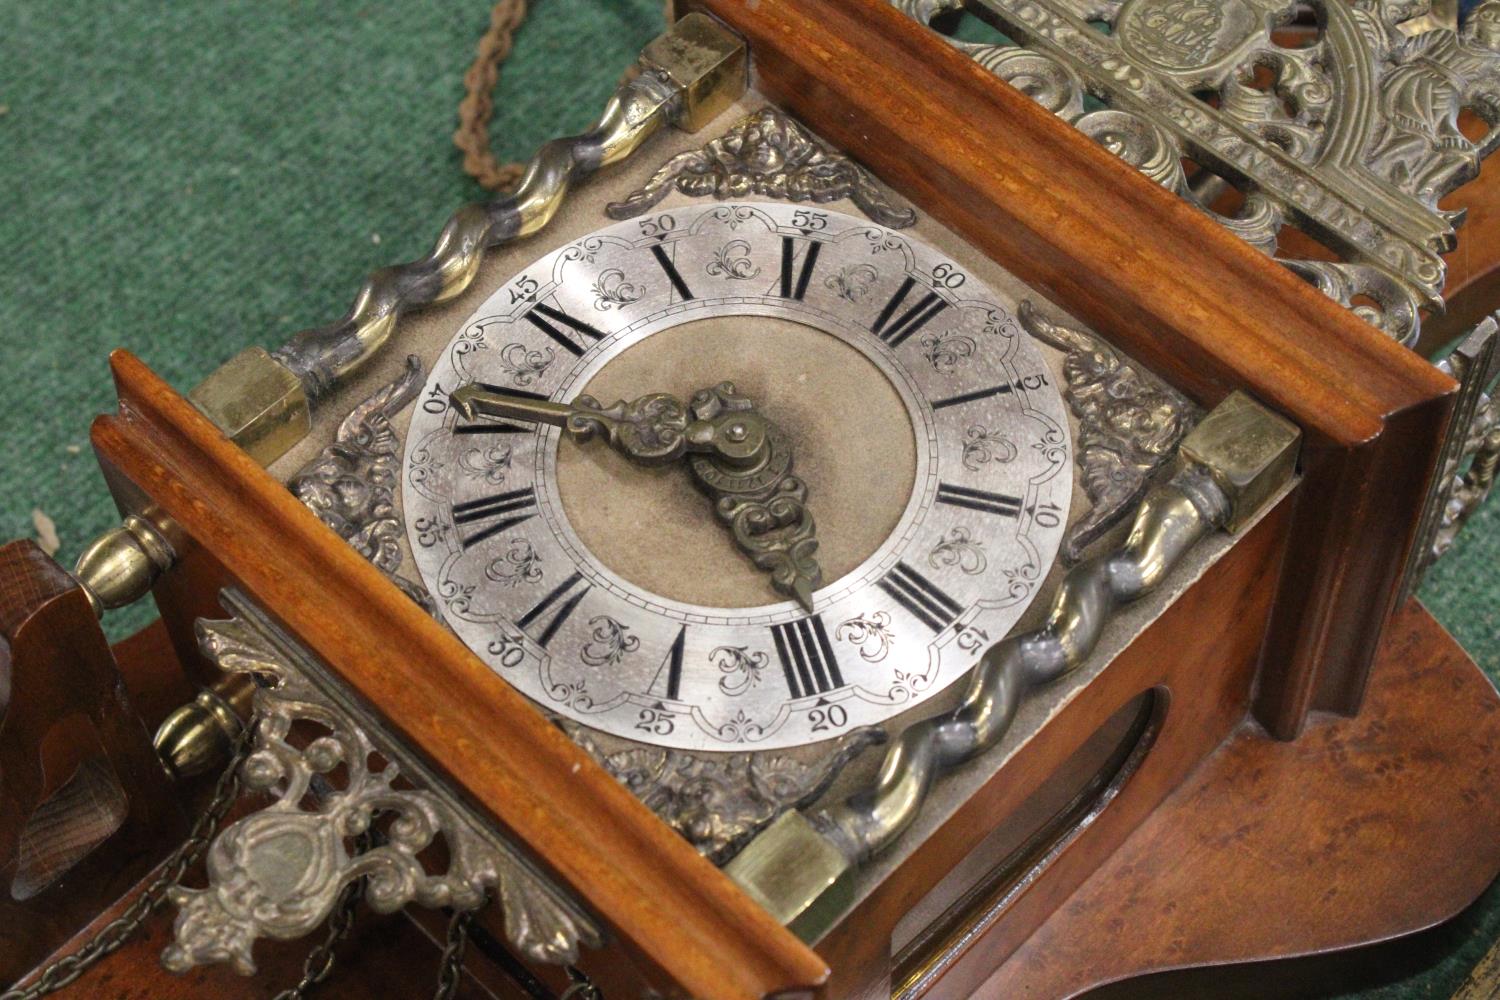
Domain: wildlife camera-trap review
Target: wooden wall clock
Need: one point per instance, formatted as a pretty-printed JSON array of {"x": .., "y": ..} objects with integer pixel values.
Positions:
[{"x": 867, "y": 540}]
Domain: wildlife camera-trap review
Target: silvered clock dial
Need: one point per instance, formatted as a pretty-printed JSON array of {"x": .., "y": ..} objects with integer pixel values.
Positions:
[{"x": 928, "y": 437}]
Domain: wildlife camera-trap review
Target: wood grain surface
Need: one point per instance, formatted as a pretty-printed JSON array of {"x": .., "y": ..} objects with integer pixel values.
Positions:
[
  {"x": 1199, "y": 657},
  {"x": 1161, "y": 280},
  {"x": 1362, "y": 830},
  {"x": 63, "y": 708},
  {"x": 688, "y": 928}
]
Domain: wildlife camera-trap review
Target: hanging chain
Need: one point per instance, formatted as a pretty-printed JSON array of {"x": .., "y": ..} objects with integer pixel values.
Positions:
[
  {"x": 318, "y": 965},
  {"x": 472, "y": 138},
  {"x": 583, "y": 987},
  {"x": 450, "y": 970},
  {"x": 113, "y": 935}
]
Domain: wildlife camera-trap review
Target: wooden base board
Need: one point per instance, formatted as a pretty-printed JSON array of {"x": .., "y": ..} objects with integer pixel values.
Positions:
[{"x": 1362, "y": 830}]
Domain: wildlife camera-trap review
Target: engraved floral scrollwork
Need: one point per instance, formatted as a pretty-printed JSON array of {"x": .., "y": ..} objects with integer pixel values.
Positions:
[
  {"x": 871, "y": 634},
  {"x": 574, "y": 694},
  {"x": 518, "y": 565},
  {"x": 948, "y": 352},
  {"x": 611, "y": 290},
  {"x": 1129, "y": 426},
  {"x": 740, "y": 728},
  {"x": 732, "y": 260},
  {"x": 608, "y": 642},
  {"x": 769, "y": 154},
  {"x": 468, "y": 342},
  {"x": 852, "y": 281},
  {"x": 983, "y": 446},
  {"x": 959, "y": 548},
  {"x": 456, "y": 596},
  {"x": 740, "y": 666},
  {"x": 489, "y": 464},
  {"x": 278, "y": 870},
  {"x": 717, "y": 802},
  {"x": 523, "y": 364}
]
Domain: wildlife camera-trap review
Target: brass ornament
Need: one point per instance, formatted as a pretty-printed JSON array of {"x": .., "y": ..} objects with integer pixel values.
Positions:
[
  {"x": 1129, "y": 426},
  {"x": 741, "y": 460},
  {"x": 279, "y": 871},
  {"x": 766, "y": 154},
  {"x": 1232, "y": 465},
  {"x": 1355, "y": 139}
]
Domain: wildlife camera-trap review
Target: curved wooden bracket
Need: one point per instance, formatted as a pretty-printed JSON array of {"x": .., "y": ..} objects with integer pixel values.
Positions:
[{"x": 83, "y": 802}]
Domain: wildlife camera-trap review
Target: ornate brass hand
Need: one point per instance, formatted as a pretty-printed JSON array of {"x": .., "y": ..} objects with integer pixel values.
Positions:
[{"x": 739, "y": 458}]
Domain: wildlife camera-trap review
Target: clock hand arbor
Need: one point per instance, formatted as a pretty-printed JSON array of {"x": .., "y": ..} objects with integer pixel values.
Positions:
[{"x": 739, "y": 458}]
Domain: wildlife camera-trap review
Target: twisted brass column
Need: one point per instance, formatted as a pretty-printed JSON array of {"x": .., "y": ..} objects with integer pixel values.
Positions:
[
  {"x": 263, "y": 401},
  {"x": 1228, "y": 468}
]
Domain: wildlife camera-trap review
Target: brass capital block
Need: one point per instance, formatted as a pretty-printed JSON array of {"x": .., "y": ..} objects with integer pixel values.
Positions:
[
  {"x": 257, "y": 403},
  {"x": 704, "y": 59},
  {"x": 796, "y": 874},
  {"x": 1250, "y": 451}
]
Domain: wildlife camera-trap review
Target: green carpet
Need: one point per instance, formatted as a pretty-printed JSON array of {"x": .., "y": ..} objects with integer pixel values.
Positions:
[{"x": 186, "y": 181}]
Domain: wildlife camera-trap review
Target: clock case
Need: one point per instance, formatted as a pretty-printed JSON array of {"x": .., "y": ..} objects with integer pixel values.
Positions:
[{"x": 1297, "y": 616}]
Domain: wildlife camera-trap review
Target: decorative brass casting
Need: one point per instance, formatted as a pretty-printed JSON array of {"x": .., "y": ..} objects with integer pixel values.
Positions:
[
  {"x": 717, "y": 802},
  {"x": 1471, "y": 455},
  {"x": 1232, "y": 463},
  {"x": 351, "y": 485},
  {"x": 1353, "y": 138},
  {"x": 279, "y": 870},
  {"x": 771, "y": 155},
  {"x": 1129, "y": 426}
]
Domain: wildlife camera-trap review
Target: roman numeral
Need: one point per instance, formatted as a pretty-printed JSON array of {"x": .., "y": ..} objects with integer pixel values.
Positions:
[
  {"x": 506, "y": 390},
  {"x": 910, "y": 321},
  {"x": 921, "y": 597},
  {"x": 671, "y": 270},
  {"x": 672, "y": 668},
  {"x": 548, "y": 322},
  {"x": 806, "y": 655},
  {"x": 509, "y": 510},
  {"x": 971, "y": 397},
  {"x": 809, "y": 261},
  {"x": 564, "y": 609},
  {"x": 987, "y": 503}
]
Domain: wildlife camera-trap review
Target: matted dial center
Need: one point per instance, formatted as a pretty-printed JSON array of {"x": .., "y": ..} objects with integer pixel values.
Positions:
[{"x": 851, "y": 435}]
